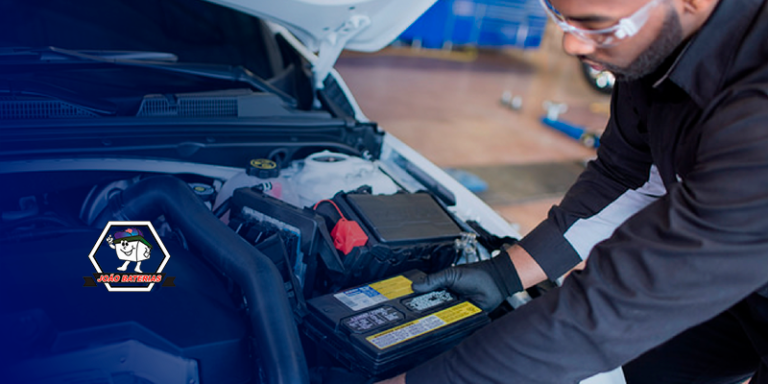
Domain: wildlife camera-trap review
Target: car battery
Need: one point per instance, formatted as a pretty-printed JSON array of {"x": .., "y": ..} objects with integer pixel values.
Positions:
[{"x": 384, "y": 328}]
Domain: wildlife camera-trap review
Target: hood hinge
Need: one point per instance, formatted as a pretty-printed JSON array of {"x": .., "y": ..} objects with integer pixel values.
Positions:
[{"x": 332, "y": 45}]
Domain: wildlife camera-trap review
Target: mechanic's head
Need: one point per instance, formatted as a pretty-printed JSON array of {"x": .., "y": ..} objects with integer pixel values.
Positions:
[{"x": 630, "y": 38}]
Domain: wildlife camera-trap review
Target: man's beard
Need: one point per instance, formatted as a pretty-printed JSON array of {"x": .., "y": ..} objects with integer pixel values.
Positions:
[{"x": 668, "y": 40}]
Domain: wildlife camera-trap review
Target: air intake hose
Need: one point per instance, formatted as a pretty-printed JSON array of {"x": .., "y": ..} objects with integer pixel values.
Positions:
[{"x": 277, "y": 339}]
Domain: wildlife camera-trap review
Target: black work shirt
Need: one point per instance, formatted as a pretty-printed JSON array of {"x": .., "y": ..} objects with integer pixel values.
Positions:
[{"x": 673, "y": 215}]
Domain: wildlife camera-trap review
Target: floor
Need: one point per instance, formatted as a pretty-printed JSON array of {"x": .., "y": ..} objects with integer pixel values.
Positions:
[{"x": 446, "y": 105}]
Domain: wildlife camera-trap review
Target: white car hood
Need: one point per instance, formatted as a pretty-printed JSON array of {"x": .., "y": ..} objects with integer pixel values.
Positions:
[{"x": 361, "y": 25}]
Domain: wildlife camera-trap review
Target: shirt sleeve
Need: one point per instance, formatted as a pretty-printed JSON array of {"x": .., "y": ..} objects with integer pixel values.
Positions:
[
  {"x": 678, "y": 262},
  {"x": 618, "y": 183}
]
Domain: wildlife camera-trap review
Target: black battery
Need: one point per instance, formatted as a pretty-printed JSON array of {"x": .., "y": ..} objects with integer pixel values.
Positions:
[{"x": 385, "y": 328}]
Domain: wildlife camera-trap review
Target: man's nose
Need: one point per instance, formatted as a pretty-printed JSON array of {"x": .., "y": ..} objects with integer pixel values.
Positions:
[{"x": 574, "y": 46}]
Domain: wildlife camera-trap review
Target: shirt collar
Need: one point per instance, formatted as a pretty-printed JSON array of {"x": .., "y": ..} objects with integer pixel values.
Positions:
[{"x": 701, "y": 67}]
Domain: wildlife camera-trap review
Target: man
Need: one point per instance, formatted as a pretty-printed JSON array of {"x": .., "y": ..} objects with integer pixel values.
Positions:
[{"x": 673, "y": 214}]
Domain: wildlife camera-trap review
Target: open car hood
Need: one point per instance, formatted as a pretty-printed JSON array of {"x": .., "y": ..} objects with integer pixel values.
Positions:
[{"x": 360, "y": 25}]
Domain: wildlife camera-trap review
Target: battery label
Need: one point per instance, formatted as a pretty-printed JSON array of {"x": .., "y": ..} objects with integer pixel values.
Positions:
[
  {"x": 373, "y": 319},
  {"x": 423, "y": 325},
  {"x": 379, "y": 292},
  {"x": 428, "y": 301},
  {"x": 393, "y": 288}
]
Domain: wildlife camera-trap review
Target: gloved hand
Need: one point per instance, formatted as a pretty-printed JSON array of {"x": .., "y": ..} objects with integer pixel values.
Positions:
[{"x": 486, "y": 283}]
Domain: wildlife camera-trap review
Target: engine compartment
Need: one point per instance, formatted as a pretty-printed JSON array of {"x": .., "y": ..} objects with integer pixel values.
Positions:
[{"x": 250, "y": 248}]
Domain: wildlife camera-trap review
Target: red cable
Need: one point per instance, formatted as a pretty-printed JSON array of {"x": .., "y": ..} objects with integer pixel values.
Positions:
[{"x": 332, "y": 203}]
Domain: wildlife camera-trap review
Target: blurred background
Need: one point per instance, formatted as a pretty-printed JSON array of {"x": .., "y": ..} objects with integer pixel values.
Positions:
[{"x": 483, "y": 89}]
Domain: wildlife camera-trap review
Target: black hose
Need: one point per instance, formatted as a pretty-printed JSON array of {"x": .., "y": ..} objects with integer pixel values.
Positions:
[
  {"x": 277, "y": 339},
  {"x": 223, "y": 208}
]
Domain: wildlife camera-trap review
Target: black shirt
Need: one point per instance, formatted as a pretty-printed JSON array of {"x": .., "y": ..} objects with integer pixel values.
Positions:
[{"x": 673, "y": 215}]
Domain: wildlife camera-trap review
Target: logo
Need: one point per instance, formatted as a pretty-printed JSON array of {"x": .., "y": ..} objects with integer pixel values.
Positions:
[{"x": 129, "y": 257}]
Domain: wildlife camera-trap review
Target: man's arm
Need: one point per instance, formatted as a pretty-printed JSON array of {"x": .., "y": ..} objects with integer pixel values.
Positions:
[
  {"x": 678, "y": 262},
  {"x": 623, "y": 165},
  {"x": 621, "y": 181},
  {"x": 527, "y": 268}
]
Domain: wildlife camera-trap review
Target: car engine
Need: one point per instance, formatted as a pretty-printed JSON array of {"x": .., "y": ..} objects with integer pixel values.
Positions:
[{"x": 285, "y": 271}]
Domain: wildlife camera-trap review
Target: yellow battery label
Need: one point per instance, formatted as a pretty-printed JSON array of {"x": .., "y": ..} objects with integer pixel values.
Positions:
[
  {"x": 379, "y": 292},
  {"x": 393, "y": 288},
  {"x": 423, "y": 325}
]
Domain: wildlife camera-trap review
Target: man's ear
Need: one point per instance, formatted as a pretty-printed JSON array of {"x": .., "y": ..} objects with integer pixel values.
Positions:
[
  {"x": 696, "y": 6},
  {"x": 694, "y": 13}
]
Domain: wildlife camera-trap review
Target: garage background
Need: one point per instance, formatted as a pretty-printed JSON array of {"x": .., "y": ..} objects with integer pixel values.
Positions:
[{"x": 439, "y": 88}]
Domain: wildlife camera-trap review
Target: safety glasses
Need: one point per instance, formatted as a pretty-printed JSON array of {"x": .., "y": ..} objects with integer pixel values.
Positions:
[{"x": 625, "y": 28}]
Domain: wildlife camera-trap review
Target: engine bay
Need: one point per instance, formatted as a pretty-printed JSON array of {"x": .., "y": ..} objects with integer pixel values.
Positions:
[
  {"x": 189, "y": 198},
  {"x": 281, "y": 268}
]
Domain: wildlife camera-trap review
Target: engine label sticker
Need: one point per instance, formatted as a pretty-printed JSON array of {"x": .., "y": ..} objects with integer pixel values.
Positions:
[
  {"x": 379, "y": 292},
  {"x": 423, "y": 325}
]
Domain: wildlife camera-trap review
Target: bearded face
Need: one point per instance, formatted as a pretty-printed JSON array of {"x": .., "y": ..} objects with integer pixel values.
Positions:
[
  {"x": 624, "y": 60},
  {"x": 666, "y": 42}
]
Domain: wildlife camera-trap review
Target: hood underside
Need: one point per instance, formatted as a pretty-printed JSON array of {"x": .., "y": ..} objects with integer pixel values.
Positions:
[{"x": 366, "y": 25}]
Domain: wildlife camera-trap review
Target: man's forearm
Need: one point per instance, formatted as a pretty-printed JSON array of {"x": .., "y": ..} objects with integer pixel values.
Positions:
[{"x": 529, "y": 271}]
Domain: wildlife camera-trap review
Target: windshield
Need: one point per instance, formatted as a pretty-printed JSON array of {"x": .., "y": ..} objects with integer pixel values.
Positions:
[
  {"x": 195, "y": 31},
  {"x": 237, "y": 52}
]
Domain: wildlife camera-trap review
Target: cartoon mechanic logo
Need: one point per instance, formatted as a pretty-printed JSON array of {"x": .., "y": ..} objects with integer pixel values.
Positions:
[
  {"x": 131, "y": 247},
  {"x": 129, "y": 242}
]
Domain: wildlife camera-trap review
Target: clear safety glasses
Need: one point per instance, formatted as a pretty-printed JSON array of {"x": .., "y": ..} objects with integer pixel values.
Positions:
[{"x": 625, "y": 28}]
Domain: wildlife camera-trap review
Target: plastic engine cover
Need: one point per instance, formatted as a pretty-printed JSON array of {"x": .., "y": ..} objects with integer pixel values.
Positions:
[{"x": 405, "y": 231}]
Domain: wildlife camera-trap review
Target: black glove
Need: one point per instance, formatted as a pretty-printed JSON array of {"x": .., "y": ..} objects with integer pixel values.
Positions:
[{"x": 486, "y": 283}]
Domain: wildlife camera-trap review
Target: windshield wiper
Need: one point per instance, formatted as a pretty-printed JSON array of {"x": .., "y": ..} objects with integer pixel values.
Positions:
[
  {"x": 27, "y": 54},
  {"x": 164, "y": 57},
  {"x": 20, "y": 89},
  {"x": 155, "y": 60}
]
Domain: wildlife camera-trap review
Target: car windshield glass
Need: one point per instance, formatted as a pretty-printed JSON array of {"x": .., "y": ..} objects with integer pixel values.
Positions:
[
  {"x": 153, "y": 60},
  {"x": 95, "y": 49},
  {"x": 193, "y": 31}
]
